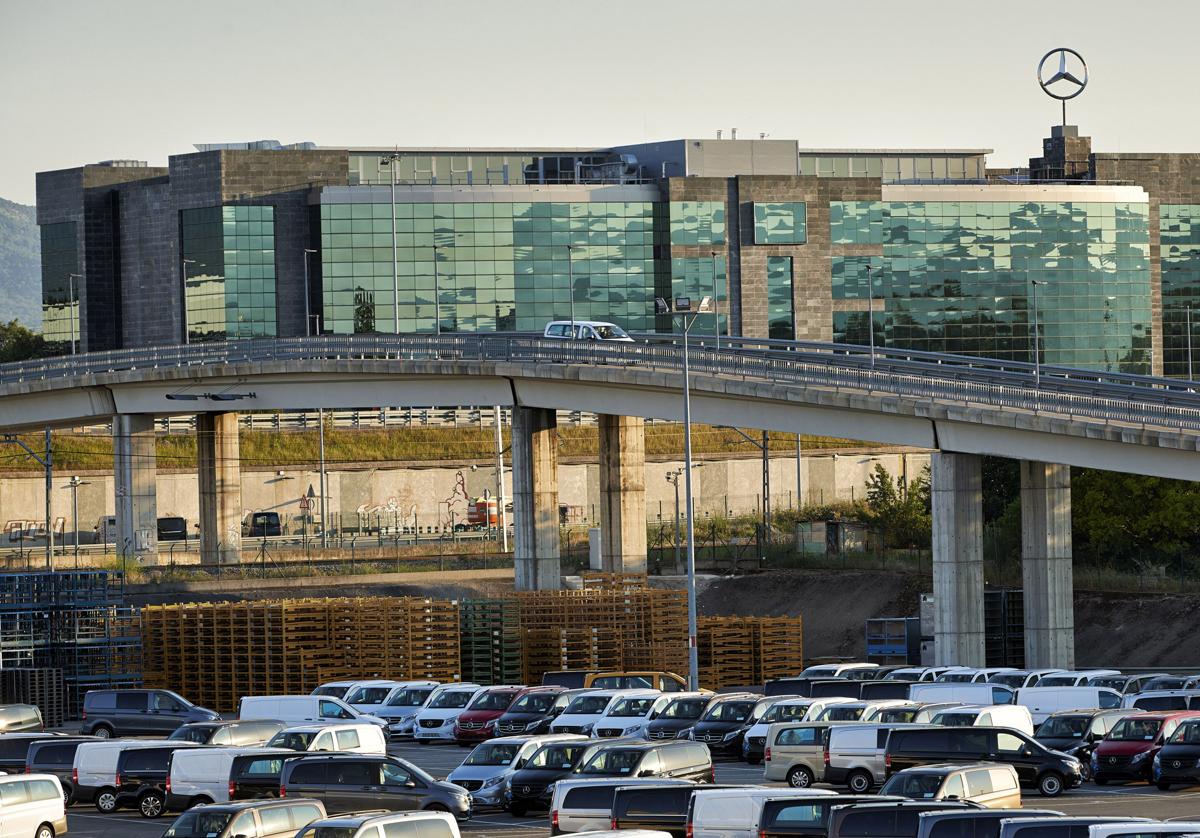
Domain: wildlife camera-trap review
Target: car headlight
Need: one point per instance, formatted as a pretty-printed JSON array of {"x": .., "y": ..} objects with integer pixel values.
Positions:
[
  {"x": 587, "y": 728},
  {"x": 730, "y": 735},
  {"x": 687, "y": 733},
  {"x": 534, "y": 724},
  {"x": 630, "y": 731},
  {"x": 449, "y": 722},
  {"x": 1157, "y": 760},
  {"x": 1139, "y": 757},
  {"x": 493, "y": 782}
]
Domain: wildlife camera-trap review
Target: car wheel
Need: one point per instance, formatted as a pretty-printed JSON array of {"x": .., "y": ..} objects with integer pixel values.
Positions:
[
  {"x": 151, "y": 804},
  {"x": 1085, "y": 771},
  {"x": 198, "y": 801},
  {"x": 1163, "y": 785},
  {"x": 68, "y": 794},
  {"x": 1050, "y": 784},
  {"x": 860, "y": 782},
  {"x": 800, "y": 777},
  {"x": 106, "y": 801},
  {"x": 436, "y": 807},
  {"x": 102, "y": 732},
  {"x": 44, "y": 831},
  {"x": 518, "y": 810}
]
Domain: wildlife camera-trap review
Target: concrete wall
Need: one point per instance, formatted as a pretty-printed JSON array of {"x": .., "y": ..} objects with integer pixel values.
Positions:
[{"x": 431, "y": 493}]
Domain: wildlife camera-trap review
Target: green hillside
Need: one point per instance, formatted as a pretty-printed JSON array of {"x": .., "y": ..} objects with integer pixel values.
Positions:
[{"x": 20, "y": 265}]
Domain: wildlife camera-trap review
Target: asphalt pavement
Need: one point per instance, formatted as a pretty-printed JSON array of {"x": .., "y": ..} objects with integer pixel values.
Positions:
[{"x": 1134, "y": 800}]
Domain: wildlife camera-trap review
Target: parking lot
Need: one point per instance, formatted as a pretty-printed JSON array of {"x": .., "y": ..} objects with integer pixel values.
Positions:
[{"x": 1138, "y": 800}]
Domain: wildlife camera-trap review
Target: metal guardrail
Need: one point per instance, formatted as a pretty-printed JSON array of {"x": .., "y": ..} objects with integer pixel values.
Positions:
[{"x": 1111, "y": 397}]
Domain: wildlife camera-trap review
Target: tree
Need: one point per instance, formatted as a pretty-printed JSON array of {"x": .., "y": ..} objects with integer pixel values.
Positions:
[
  {"x": 901, "y": 512},
  {"x": 1129, "y": 517},
  {"x": 18, "y": 343}
]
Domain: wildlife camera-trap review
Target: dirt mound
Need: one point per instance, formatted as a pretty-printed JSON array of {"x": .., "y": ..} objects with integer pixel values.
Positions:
[{"x": 1137, "y": 630}]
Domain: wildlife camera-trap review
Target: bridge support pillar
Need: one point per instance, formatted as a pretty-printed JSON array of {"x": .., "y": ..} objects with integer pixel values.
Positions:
[
  {"x": 1046, "y": 565},
  {"x": 535, "y": 499},
  {"x": 220, "y": 479},
  {"x": 134, "y": 472},
  {"x": 623, "y": 493},
  {"x": 957, "y": 492}
]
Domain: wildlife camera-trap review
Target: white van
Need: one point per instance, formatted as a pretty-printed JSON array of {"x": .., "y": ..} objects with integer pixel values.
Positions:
[
  {"x": 1042, "y": 701},
  {"x": 834, "y": 670},
  {"x": 1076, "y": 678},
  {"x": 914, "y": 674},
  {"x": 371, "y": 698},
  {"x": 31, "y": 806},
  {"x": 299, "y": 709},
  {"x": 202, "y": 775},
  {"x": 402, "y": 704},
  {"x": 486, "y": 770},
  {"x": 970, "y": 675},
  {"x": 581, "y": 715},
  {"x": 734, "y": 813},
  {"x": 586, "y": 804},
  {"x": 913, "y": 712},
  {"x": 1134, "y": 829},
  {"x": 856, "y": 755},
  {"x": 818, "y": 706},
  {"x": 393, "y": 825},
  {"x": 435, "y": 721},
  {"x": 858, "y": 711},
  {"x": 95, "y": 767},
  {"x": 983, "y": 694},
  {"x": 343, "y": 689},
  {"x": 585, "y": 330},
  {"x": 629, "y": 715},
  {"x": 344, "y": 738},
  {"x": 1019, "y": 679},
  {"x": 1014, "y": 716}
]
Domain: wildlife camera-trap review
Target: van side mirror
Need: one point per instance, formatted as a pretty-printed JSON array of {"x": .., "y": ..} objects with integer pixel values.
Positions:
[{"x": 646, "y": 773}]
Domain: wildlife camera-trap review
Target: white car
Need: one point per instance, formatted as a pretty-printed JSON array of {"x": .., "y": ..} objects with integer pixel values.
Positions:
[
  {"x": 435, "y": 721},
  {"x": 343, "y": 738},
  {"x": 391, "y": 824},
  {"x": 585, "y": 330},
  {"x": 629, "y": 715},
  {"x": 31, "y": 806},
  {"x": 486, "y": 770},
  {"x": 581, "y": 715},
  {"x": 1012, "y": 716}
]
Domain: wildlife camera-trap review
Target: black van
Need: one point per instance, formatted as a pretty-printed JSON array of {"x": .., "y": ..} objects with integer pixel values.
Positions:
[
  {"x": 108, "y": 713},
  {"x": 790, "y": 686},
  {"x": 172, "y": 528},
  {"x": 1050, "y": 772},
  {"x": 786, "y": 816},
  {"x": 56, "y": 756},
  {"x": 262, "y": 525},
  {"x": 355, "y": 782},
  {"x": 885, "y": 820},
  {"x": 982, "y": 822},
  {"x": 572, "y": 679},
  {"x": 141, "y": 779},
  {"x": 1177, "y": 760},
  {"x": 678, "y": 716},
  {"x": 14, "y": 749},
  {"x": 1077, "y": 732},
  {"x": 533, "y": 712},
  {"x": 662, "y": 760},
  {"x": 836, "y": 688},
  {"x": 257, "y": 776},
  {"x": 663, "y": 808},
  {"x": 725, "y": 723},
  {"x": 530, "y": 786},
  {"x": 875, "y": 690}
]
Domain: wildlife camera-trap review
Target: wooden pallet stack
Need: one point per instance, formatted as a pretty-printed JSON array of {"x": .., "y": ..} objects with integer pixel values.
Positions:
[
  {"x": 433, "y": 640},
  {"x": 779, "y": 647},
  {"x": 748, "y": 651}
]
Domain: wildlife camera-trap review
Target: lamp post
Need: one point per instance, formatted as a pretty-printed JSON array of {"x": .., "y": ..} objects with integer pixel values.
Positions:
[
  {"x": 571, "y": 248},
  {"x": 682, "y": 307},
  {"x": 871, "y": 314},
  {"x": 389, "y": 160},
  {"x": 184, "y": 262},
  {"x": 1037, "y": 355},
  {"x": 73, "y": 484},
  {"x": 1189, "y": 341},
  {"x": 308, "y": 251},
  {"x": 437, "y": 292},
  {"x": 716, "y": 301},
  {"x": 673, "y": 479},
  {"x": 71, "y": 308}
]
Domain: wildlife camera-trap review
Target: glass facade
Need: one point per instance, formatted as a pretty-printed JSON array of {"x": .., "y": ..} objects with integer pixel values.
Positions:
[
  {"x": 467, "y": 168},
  {"x": 784, "y": 223},
  {"x": 698, "y": 278},
  {"x": 856, "y": 222},
  {"x": 959, "y": 277},
  {"x": 781, "y": 311},
  {"x": 699, "y": 223},
  {"x": 229, "y": 254},
  {"x": 895, "y": 168},
  {"x": 60, "y": 291},
  {"x": 1179, "y": 250}
]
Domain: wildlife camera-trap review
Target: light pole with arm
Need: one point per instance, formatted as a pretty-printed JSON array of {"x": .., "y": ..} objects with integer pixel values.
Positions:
[
  {"x": 871, "y": 313},
  {"x": 437, "y": 292},
  {"x": 571, "y": 248},
  {"x": 1037, "y": 355},
  {"x": 716, "y": 301},
  {"x": 72, "y": 308},
  {"x": 1189, "y": 341},
  {"x": 389, "y": 160},
  {"x": 73, "y": 484},
  {"x": 308, "y": 251}
]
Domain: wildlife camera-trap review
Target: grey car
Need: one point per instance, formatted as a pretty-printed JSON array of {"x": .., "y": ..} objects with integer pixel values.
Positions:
[
  {"x": 357, "y": 782},
  {"x": 110, "y": 713}
]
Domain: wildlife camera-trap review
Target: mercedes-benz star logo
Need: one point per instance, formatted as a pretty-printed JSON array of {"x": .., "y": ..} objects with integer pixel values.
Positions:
[{"x": 1071, "y": 77}]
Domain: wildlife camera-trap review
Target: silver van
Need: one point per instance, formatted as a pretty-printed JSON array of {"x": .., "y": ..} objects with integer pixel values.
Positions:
[
  {"x": 20, "y": 717},
  {"x": 987, "y": 784},
  {"x": 585, "y": 330}
]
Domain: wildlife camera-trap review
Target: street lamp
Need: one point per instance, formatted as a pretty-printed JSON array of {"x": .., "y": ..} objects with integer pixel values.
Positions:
[
  {"x": 871, "y": 313},
  {"x": 1037, "y": 354},
  {"x": 73, "y": 484},
  {"x": 184, "y": 262},
  {"x": 389, "y": 160},
  {"x": 571, "y": 248},
  {"x": 308, "y": 251},
  {"x": 71, "y": 307},
  {"x": 1189, "y": 341},
  {"x": 716, "y": 301},
  {"x": 687, "y": 312},
  {"x": 437, "y": 292}
]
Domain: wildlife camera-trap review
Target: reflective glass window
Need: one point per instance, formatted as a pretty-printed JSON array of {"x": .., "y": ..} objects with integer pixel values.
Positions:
[{"x": 784, "y": 223}]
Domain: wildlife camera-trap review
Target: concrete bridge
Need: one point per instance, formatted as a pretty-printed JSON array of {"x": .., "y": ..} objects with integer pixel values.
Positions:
[{"x": 960, "y": 407}]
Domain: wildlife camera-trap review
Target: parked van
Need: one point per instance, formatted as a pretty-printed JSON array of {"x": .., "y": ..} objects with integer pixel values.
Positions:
[
  {"x": 1125, "y": 684},
  {"x": 32, "y": 805},
  {"x": 795, "y": 753},
  {"x": 534, "y": 710},
  {"x": 20, "y": 717},
  {"x": 1163, "y": 700},
  {"x": 1050, "y": 772},
  {"x": 1059, "y": 827},
  {"x": 402, "y": 704},
  {"x": 754, "y": 743},
  {"x": 369, "y": 697},
  {"x": 970, "y": 675},
  {"x": 1019, "y": 679},
  {"x": 299, "y": 709},
  {"x": 735, "y": 813},
  {"x": 665, "y": 760},
  {"x": 914, "y": 712},
  {"x": 885, "y": 689},
  {"x": 917, "y": 674},
  {"x": 435, "y": 721},
  {"x": 680, "y": 714},
  {"x": 1131, "y": 829},
  {"x": 1127, "y": 752},
  {"x": 108, "y": 713},
  {"x": 834, "y": 670},
  {"x": 345, "y": 738},
  {"x": 343, "y": 689},
  {"x": 203, "y": 775},
  {"x": 724, "y": 724},
  {"x": 579, "y": 804},
  {"x": 94, "y": 770},
  {"x": 981, "y": 694},
  {"x": 894, "y": 818},
  {"x": 857, "y": 711},
  {"x": 260, "y": 818},
  {"x": 667, "y": 682},
  {"x": 1077, "y": 732},
  {"x": 1076, "y": 678},
  {"x": 836, "y": 688},
  {"x": 998, "y": 715},
  {"x": 943, "y": 824},
  {"x": 56, "y": 756},
  {"x": 530, "y": 785},
  {"x": 581, "y": 715},
  {"x": 808, "y": 816},
  {"x": 345, "y": 782},
  {"x": 1179, "y": 759},
  {"x": 141, "y": 780},
  {"x": 991, "y": 786},
  {"x": 234, "y": 734},
  {"x": 585, "y": 330},
  {"x": 656, "y": 807},
  {"x": 390, "y": 825},
  {"x": 630, "y": 714},
  {"x": 14, "y": 748},
  {"x": 854, "y": 755},
  {"x": 487, "y": 768},
  {"x": 1042, "y": 701},
  {"x": 261, "y": 525},
  {"x": 477, "y": 722},
  {"x": 255, "y": 775}
]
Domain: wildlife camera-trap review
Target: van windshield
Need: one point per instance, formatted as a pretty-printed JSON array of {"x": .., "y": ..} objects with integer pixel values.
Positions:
[
  {"x": 1058, "y": 681},
  {"x": 198, "y": 825},
  {"x": 729, "y": 711},
  {"x": 588, "y": 705},
  {"x": 1187, "y": 734},
  {"x": 684, "y": 708},
  {"x": 612, "y": 761},
  {"x": 200, "y": 735},
  {"x": 609, "y": 332},
  {"x": 631, "y": 707},
  {"x": 1063, "y": 727},
  {"x": 492, "y": 701},
  {"x": 901, "y": 715},
  {"x": 1012, "y": 680},
  {"x": 914, "y": 786},
  {"x": 1135, "y": 730},
  {"x": 533, "y": 703},
  {"x": 1113, "y": 682},
  {"x": 414, "y": 697},
  {"x": 562, "y": 757},
  {"x": 292, "y": 740},
  {"x": 368, "y": 695},
  {"x": 491, "y": 754},
  {"x": 784, "y": 713},
  {"x": 955, "y": 719},
  {"x": 842, "y": 714},
  {"x": 957, "y": 678},
  {"x": 451, "y": 700},
  {"x": 327, "y": 832},
  {"x": 331, "y": 691}
]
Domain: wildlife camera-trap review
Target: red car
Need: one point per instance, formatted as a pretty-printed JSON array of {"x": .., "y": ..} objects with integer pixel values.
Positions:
[
  {"x": 1127, "y": 752},
  {"x": 478, "y": 722}
]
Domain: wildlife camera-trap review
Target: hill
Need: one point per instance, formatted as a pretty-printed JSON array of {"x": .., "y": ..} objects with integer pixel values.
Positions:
[{"x": 20, "y": 265}]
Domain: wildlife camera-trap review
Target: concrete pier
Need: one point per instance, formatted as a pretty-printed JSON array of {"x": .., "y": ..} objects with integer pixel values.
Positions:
[
  {"x": 135, "y": 467},
  {"x": 957, "y": 494},
  {"x": 535, "y": 499},
  {"x": 1046, "y": 565},
  {"x": 622, "y": 493},
  {"x": 220, "y": 484}
]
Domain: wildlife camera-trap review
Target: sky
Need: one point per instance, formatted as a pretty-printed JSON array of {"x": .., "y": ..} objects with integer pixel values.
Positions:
[{"x": 142, "y": 79}]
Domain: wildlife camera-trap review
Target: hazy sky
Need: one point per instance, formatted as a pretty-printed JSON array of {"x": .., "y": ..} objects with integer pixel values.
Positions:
[{"x": 142, "y": 79}]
